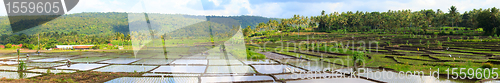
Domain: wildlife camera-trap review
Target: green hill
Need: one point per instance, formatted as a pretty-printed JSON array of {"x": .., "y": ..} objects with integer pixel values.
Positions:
[{"x": 112, "y": 22}]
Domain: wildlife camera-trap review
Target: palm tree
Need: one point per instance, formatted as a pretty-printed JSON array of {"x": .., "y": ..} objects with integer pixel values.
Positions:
[{"x": 453, "y": 11}]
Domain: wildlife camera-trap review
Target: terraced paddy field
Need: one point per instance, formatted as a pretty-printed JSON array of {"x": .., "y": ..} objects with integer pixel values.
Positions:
[
  {"x": 110, "y": 67},
  {"x": 394, "y": 52},
  {"x": 309, "y": 61}
]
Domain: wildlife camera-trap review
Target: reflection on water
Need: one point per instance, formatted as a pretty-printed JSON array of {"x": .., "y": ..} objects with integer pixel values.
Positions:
[
  {"x": 258, "y": 61},
  {"x": 181, "y": 69},
  {"x": 43, "y": 65},
  {"x": 230, "y": 69},
  {"x": 224, "y": 62},
  {"x": 126, "y": 68},
  {"x": 17, "y": 75},
  {"x": 190, "y": 62},
  {"x": 271, "y": 69},
  {"x": 120, "y": 61},
  {"x": 11, "y": 68},
  {"x": 154, "y": 80},
  {"x": 8, "y": 62},
  {"x": 90, "y": 59},
  {"x": 50, "y": 59},
  {"x": 153, "y": 61},
  {"x": 235, "y": 79},
  {"x": 82, "y": 67}
]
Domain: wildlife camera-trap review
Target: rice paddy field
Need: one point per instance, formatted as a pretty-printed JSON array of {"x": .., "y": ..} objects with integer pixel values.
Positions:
[{"x": 309, "y": 58}]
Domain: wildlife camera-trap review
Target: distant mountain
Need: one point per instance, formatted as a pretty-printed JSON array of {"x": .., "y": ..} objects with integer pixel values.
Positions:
[{"x": 112, "y": 22}]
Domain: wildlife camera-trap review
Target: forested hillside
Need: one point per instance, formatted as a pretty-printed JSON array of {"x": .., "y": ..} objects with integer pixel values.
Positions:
[
  {"x": 109, "y": 23},
  {"x": 103, "y": 28}
]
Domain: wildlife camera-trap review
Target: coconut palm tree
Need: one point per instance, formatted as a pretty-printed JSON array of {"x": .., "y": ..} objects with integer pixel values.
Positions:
[{"x": 453, "y": 13}]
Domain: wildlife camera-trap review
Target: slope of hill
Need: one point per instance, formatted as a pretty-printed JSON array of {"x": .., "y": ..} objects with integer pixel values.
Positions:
[{"x": 112, "y": 22}]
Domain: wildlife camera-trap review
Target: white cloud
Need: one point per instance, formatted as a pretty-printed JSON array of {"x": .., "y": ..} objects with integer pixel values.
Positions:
[{"x": 216, "y": 2}]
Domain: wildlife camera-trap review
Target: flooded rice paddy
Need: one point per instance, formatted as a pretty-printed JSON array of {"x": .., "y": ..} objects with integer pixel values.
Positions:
[{"x": 196, "y": 68}]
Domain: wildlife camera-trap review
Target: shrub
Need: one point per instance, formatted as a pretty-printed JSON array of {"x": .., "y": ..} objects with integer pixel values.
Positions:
[
  {"x": 21, "y": 66},
  {"x": 469, "y": 62},
  {"x": 487, "y": 65},
  {"x": 441, "y": 33},
  {"x": 8, "y": 45},
  {"x": 448, "y": 38},
  {"x": 388, "y": 43},
  {"x": 48, "y": 71},
  {"x": 428, "y": 43},
  {"x": 496, "y": 35},
  {"x": 440, "y": 45}
]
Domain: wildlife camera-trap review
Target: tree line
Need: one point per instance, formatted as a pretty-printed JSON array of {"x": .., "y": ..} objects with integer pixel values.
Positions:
[
  {"x": 390, "y": 21},
  {"x": 51, "y": 39}
]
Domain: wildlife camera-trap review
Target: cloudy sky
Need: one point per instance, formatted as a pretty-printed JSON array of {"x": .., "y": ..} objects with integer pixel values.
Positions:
[{"x": 270, "y": 8}]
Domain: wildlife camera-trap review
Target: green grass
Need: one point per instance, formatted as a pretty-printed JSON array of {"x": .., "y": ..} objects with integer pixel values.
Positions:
[
  {"x": 417, "y": 57},
  {"x": 493, "y": 52},
  {"x": 450, "y": 52}
]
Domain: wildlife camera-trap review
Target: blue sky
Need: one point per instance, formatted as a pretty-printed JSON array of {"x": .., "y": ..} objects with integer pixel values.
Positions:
[{"x": 270, "y": 8}]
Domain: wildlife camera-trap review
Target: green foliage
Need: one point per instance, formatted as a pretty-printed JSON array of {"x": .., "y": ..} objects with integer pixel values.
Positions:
[
  {"x": 498, "y": 31},
  {"x": 439, "y": 44},
  {"x": 391, "y": 22},
  {"x": 113, "y": 27},
  {"x": 488, "y": 20},
  {"x": 358, "y": 57},
  {"x": 428, "y": 44},
  {"x": 388, "y": 43},
  {"x": 469, "y": 62},
  {"x": 442, "y": 33},
  {"x": 253, "y": 55},
  {"x": 21, "y": 66},
  {"x": 48, "y": 71},
  {"x": 487, "y": 65},
  {"x": 8, "y": 45}
]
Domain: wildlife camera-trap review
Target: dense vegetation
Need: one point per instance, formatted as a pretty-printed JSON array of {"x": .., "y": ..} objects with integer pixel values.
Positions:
[
  {"x": 390, "y": 21},
  {"x": 113, "y": 27},
  {"x": 394, "y": 40}
]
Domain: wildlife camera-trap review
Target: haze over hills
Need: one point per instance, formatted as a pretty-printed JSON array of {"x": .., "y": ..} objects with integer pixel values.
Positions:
[{"x": 112, "y": 22}]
